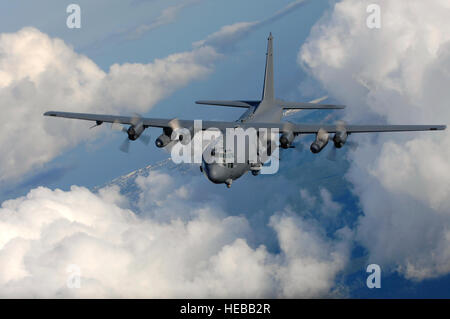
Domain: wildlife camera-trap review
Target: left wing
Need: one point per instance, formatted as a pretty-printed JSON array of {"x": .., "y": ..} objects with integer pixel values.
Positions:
[
  {"x": 223, "y": 125},
  {"x": 104, "y": 118}
]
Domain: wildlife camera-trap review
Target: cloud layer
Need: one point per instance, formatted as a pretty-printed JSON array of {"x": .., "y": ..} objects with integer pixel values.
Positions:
[
  {"x": 399, "y": 74},
  {"x": 199, "y": 251}
]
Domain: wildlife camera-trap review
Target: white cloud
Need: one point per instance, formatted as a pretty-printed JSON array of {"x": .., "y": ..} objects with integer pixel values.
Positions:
[
  {"x": 39, "y": 73},
  {"x": 399, "y": 73},
  {"x": 198, "y": 252},
  {"x": 326, "y": 206}
]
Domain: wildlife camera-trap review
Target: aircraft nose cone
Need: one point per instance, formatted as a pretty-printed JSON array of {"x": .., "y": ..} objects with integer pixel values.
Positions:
[{"x": 214, "y": 173}]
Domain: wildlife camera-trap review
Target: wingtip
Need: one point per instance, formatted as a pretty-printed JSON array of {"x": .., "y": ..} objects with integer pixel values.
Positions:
[{"x": 438, "y": 128}]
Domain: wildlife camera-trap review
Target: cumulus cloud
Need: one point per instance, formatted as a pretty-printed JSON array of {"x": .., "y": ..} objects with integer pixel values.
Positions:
[
  {"x": 324, "y": 204},
  {"x": 397, "y": 74},
  {"x": 39, "y": 73},
  {"x": 199, "y": 251}
]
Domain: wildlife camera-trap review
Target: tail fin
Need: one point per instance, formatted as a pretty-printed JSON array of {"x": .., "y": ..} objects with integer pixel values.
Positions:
[{"x": 268, "y": 91}]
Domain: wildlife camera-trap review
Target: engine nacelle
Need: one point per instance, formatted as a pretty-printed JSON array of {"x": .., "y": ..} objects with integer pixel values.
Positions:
[
  {"x": 286, "y": 139},
  {"x": 162, "y": 141},
  {"x": 321, "y": 141},
  {"x": 134, "y": 131},
  {"x": 340, "y": 138}
]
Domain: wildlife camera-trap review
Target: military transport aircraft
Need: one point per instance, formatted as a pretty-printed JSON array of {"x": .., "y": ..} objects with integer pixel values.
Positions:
[{"x": 265, "y": 113}]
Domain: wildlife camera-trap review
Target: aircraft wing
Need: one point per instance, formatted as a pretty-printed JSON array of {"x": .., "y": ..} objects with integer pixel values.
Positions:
[
  {"x": 223, "y": 125},
  {"x": 314, "y": 128},
  {"x": 147, "y": 122},
  {"x": 104, "y": 118},
  {"x": 308, "y": 128}
]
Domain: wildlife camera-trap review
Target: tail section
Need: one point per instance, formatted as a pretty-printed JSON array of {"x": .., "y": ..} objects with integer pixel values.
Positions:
[
  {"x": 268, "y": 94},
  {"x": 268, "y": 91}
]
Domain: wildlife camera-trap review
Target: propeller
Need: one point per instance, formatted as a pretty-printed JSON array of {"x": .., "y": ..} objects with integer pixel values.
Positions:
[
  {"x": 187, "y": 134},
  {"x": 332, "y": 154},
  {"x": 125, "y": 146},
  {"x": 297, "y": 145},
  {"x": 136, "y": 122}
]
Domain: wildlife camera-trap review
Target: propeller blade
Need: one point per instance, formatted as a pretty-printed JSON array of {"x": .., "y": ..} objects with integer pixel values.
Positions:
[
  {"x": 136, "y": 118},
  {"x": 118, "y": 127},
  {"x": 145, "y": 139},
  {"x": 341, "y": 125},
  {"x": 125, "y": 147},
  {"x": 175, "y": 123}
]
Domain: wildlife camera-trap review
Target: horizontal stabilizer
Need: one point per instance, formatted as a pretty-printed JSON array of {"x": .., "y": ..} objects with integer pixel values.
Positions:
[
  {"x": 308, "y": 106},
  {"x": 245, "y": 104}
]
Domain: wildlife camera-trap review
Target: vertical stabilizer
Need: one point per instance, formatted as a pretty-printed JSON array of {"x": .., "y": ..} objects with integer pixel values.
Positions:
[{"x": 268, "y": 91}]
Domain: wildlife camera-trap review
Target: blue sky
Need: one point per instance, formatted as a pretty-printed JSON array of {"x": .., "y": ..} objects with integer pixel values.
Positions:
[
  {"x": 238, "y": 75},
  {"x": 107, "y": 38}
]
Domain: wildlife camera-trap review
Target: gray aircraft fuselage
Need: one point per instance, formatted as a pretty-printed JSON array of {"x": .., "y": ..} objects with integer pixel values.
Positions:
[
  {"x": 224, "y": 173},
  {"x": 266, "y": 111}
]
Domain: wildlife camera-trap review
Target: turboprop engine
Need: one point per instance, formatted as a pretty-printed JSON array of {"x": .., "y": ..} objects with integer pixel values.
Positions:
[
  {"x": 183, "y": 135},
  {"x": 134, "y": 131},
  {"x": 340, "y": 138},
  {"x": 165, "y": 138},
  {"x": 286, "y": 139},
  {"x": 321, "y": 141}
]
